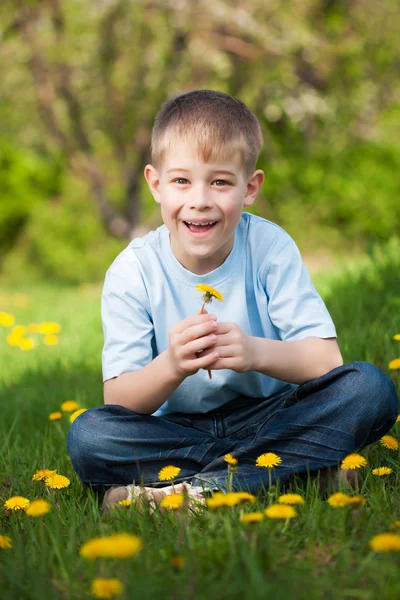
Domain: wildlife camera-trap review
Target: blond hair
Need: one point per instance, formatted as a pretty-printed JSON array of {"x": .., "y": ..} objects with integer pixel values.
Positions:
[{"x": 217, "y": 124}]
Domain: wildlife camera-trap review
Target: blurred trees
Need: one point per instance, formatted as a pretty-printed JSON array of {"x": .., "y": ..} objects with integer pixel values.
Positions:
[{"x": 82, "y": 83}]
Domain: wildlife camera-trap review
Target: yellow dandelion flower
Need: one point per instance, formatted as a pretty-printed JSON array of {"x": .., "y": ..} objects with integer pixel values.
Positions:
[
  {"x": 6, "y": 320},
  {"x": 338, "y": 500},
  {"x": 397, "y": 337},
  {"x": 216, "y": 501},
  {"x": 103, "y": 587},
  {"x": 353, "y": 461},
  {"x": 268, "y": 460},
  {"x": 117, "y": 545},
  {"x": 385, "y": 542},
  {"x": 48, "y": 328},
  {"x": 55, "y": 416},
  {"x": 69, "y": 406},
  {"x": 254, "y": 517},
  {"x": 19, "y": 330},
  {"x": 16, "y": 503},
  {"x": 38, "y": 508},
  {"x": 395, "y": 525},
  {"x": 356, "y": 500},
  {"x": 5, "y": 542},
  {"x": 209, "y": 292},
  {"x": 230, "y": 460},
  {"x": 33, "y": 328},
  {"x": 125, "y": 502},
  {"x": 168, "y": 473},
  {"x": 27, "y": 344},
  {"x": 50, "y": 340},
  {"x": 13, "y": 339},
  {"x": 398, "y": 419},
  {"x": 280, "y": 511},
  {"x": 390, "y": 442},
  {"x": 172, "y": 501},
  {"x": 178, "y": 562},
  {"x": 41, "y": 474},
  {"x": 394, "y": 364},
  {"x": 243, "y": 497},
  {"x": 76, "y": 413},
  {"x": 381, "y": 471},
  {"x": 291, "y": 499},
  {"x": 57, "y": 482}
]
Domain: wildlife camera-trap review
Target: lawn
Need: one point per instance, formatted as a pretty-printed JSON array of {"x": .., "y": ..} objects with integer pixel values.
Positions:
[{"x": 322, "y": 553}]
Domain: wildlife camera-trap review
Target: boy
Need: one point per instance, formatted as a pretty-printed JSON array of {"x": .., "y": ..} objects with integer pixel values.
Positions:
[{"x": 278, "y": 379}]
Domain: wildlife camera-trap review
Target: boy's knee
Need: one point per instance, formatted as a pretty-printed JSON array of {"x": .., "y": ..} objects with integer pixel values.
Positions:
[
  {"x": 374, "y": 384},
  {"x": 83, "y": 435}
]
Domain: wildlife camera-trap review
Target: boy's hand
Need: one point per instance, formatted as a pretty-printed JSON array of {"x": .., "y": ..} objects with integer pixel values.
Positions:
[
  {"x": 188, "y": 341},
  {"x": 235, "y": 349}
]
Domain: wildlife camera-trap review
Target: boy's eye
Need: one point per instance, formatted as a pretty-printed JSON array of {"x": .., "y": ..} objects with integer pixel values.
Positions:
[{"x": 218, "y": 182}]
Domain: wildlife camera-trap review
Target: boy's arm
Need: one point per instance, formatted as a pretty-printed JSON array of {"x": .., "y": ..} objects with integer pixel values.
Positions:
[
  {"x": 298, "y": 361},
  {"x": 146, "y": 389}
]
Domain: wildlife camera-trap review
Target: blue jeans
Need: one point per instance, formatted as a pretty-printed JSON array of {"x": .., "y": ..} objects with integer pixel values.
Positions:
[{"x": 311, "y": 427}]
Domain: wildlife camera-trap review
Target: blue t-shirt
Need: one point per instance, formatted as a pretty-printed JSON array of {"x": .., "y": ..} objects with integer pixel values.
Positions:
[{"x": 267, "y": 292}]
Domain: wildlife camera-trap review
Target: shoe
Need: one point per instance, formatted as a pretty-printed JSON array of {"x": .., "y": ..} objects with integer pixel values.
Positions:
[
  {"x": 333, "y": 477},
  {"x": 149, "y": 497}
]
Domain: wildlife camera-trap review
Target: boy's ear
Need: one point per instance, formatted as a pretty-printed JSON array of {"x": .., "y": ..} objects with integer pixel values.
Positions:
[
  {"x": 253, "y": 186},
  {"x": 153, "y": 181}
]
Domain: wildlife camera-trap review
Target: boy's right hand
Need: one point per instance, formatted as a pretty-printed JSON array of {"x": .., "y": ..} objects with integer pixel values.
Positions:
[{"x": 189, "y": 337}]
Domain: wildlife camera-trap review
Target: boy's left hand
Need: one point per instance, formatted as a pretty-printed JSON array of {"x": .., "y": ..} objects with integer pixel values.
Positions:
[{"x": 235, "y": 347}]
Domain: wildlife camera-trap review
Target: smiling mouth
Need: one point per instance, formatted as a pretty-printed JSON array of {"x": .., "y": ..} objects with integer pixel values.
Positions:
[{"x": 200, "y": 228}]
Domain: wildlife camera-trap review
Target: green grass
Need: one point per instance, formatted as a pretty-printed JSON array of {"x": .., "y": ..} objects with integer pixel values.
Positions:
[{"x": 322, "y": 554}]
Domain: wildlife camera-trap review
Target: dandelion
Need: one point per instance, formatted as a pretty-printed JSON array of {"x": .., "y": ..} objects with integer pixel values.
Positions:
[
  {"x": 353, "y": 461},
  {"x": 291, "y": 499},
  {"x": 57, "y": 482},
  {"x": 338, "y": 500},
  {"x": 126, "y": 503},
  {"x": 6, "y": 320},
  {"x": 230, "y": 460},
  {"x": 395, "y": 525},
  {"x": 394, "y": 364},
  {"x": 397, "y": 337},
  {"x": 76, "y": 413},
  {"x": 178, "y": 562},
  {"x": 209, "y": 294},
  {"x": 356, "y": 500},
  {"x": 398, "y": 419},
  {"x": 38, "y": 508},
  {"x": 13, "y": 340},
  {"x": 168, "y": 473},
  {"x": 172, "y": 501},
  {"x": 280, "y": 511},
  {"x": 41, "y": 474},
  {"x": 117, "y": 545},
  {"x": 16, "y": 503},
  {"x": 69, "y": 406},
  {"x": 27, "y": 344},
  {"x": 390, "y": 442},
  {"x": 268, "y": 460},
  {"x": 50, "y": 340},
  {"x": 48, "y": 328},
  {"x": 230, "y": 499},
  {"x": 55, "y": 416},
  {"x": 19, "y": 330},
  {"x": 254, "y": 517},
  {"x": 381, "y": 471},
  {"x": 5, "y": 542},
  {"x": 385, "y": 542},
  {"x": 106, "y": 587}
]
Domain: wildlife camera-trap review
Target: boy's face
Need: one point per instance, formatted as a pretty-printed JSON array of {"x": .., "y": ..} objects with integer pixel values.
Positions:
[{"x": 189, "y": 189}]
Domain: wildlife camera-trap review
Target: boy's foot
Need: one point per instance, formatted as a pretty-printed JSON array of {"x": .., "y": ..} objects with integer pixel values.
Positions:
[
  {"x": 148, "y": 495},
  {"x": 333, "y": 477}
]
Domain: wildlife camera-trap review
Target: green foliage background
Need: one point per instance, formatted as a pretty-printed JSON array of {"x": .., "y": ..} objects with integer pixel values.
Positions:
[{"x": 82, "y": 83}]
